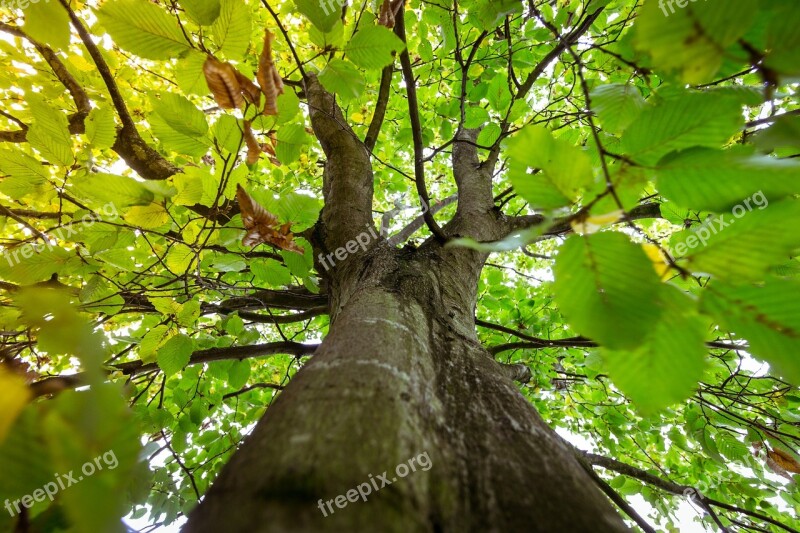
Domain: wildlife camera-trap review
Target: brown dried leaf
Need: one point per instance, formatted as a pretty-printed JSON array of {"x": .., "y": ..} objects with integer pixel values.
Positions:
[
  {"x": 389, "y": 12},
  {"x": 262, "y": 226},
  {"x": 253, "y": 147},
  {"x": 223, "y": 81},
  {"x": 786, "y": 461},
  {"x": 250, "y": 90},
  {"x": 268, "y": 77}
]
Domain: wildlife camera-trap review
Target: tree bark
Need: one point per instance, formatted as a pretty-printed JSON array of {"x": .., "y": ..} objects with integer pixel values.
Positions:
[{"x": 400, "y": 374}]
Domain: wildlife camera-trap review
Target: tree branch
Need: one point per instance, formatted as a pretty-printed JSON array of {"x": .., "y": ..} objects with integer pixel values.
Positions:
[
  {"x": 287, "y": 299},
  {"x": 380, "y": 108},
  {"x": 416, "y": 130},
  {"x": 616, "y": 498},
  {"x": 404, "y": 234},
  {"x": 347, "y": 180},
  {"x": 283, "y": 319},
  {"x": 475, "y": 212},
  {"x": 670, "y": 487},
  {"x": 563, "y": 225},
  {"x": 146, "y": 161},
  {"x": 225, "y": 354},
  {"x": 563, "y": 43},
  {"x": 572, "y": 342},
  {"x": 55, "y": 384},
  {"x": 82, "y": 105}
]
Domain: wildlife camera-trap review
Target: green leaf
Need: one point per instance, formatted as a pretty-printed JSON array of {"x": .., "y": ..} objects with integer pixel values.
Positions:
[
  {"x": 288, "y": 106},
  {"x": 105, "y": 188},
  {"x": 679, "y": 122},
  {"x": 189, "y": 313},
  {"x": 690, "y": 42},
  {"x": 342, "y": 78},
  {"x": 228, "y": 133},
  {"x": 564, "y": 168},
  {"x": 767, "y": 315},
  {"x": 373, "y": 47},
  {"x": 203, "y": 12},
  {"x": 178, "y": 141},
  {"x": 783, "y": 133},
  {"x": 48, "y": 23},
  {"x": 271, "y": 273},
  {"x": 744, "y": 245},
  {"x": 17, "y": 164},
  {"x": 100, "y": 127},
  {"x": 489, "y": 135},
  {"x": 666, "y": 368},
  {"x": 704, "y": 437},
  {"x": 180, "y": 114},
  {"x": 232, "y": 29},
  {"x": 617, "y": 105},
  {"x": 151, "y": 216},
  {"x": 490, "y": 14},
  {"x": 189, "y": 74},
  {"x": 28, "y": 264},
  {"x": 49, "y": 132},
  {"x": 715, "y": 180},
  {"x": 333, "y": 38},
  {"x": 322, "y": 14},
  {"x": 291, "y": 139},
  {"x": 732, "y": 448},
  {"x": 143, "y": 28},
  {"x": 238, "y": 374},
  {"x": 297, "y": 263},
  {"x": 783, "y": 39},
  {"x": 180, "y": 258},
  {"x": 24, "y": 457},
  {"x": 725, "y": 22},
  {"x": 175, "y": 354},
  {"x": 607, "y": 288}
]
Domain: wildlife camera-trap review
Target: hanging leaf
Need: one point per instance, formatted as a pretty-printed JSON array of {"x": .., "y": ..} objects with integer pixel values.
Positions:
[
  {"x": 546, "y": 171},
  {"x": 253, "y": 147},
  {"x": 766, "y": 315},
  {"x": 373, "y": 47},
  {"x": 262, "y": 226},
  {"x": 607, "y": 288},
  {"x": 268, "y": 76},
  {"x": 343, "y": 78},
  {"x": 250, "y": 90},
  {"x": 223, "y": 82},
  {"x": 143, "y": 28},
  {"x": 203, "y": 12},
  {"x": 49, "y": 133},
  {"x": 784, "y": 460},
  {"x": 231, "y": 30},
  {"x": 389, "y": 12}
]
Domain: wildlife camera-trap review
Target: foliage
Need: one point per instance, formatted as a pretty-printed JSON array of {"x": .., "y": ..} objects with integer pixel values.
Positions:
[{"x": 667, "y": 140}]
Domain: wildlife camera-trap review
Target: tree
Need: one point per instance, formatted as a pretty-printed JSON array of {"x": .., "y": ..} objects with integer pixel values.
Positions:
[{"x": 595, "y": 199}]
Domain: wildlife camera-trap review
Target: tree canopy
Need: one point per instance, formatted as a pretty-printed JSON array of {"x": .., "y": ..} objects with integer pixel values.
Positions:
[{"x": 644, "y": 156}]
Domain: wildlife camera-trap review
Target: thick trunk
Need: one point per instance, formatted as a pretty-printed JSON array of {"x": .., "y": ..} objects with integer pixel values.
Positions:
[{"x": 401, "y": 374}]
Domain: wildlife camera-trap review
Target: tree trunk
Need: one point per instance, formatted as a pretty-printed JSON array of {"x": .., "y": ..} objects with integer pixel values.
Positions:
[{"x": 402, "y": 374}]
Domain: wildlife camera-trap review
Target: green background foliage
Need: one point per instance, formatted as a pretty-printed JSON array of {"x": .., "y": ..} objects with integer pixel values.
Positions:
[{"x": 684, "y": 361}]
